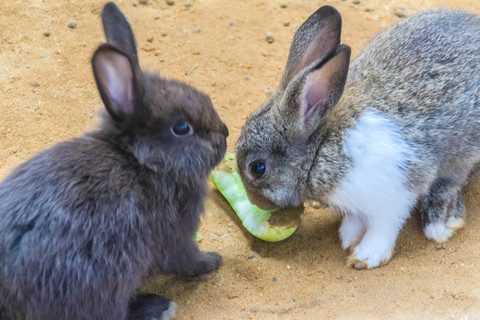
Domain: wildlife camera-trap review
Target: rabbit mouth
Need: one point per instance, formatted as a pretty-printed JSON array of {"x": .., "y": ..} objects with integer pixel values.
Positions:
[{"x": 260, "y": 200}]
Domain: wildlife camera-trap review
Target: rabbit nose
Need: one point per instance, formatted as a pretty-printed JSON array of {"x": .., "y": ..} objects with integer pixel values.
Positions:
[{"x": 225, "y": 130}]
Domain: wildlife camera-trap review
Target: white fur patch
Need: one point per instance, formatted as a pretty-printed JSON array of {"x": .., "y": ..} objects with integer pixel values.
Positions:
[
  {"x": 375, "y": 190},
  {"x": 170, "y": 312}
]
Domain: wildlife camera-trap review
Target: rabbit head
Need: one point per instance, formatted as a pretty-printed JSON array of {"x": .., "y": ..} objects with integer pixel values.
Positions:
[
  {"x": 278, "y": 143},
  {"x": 166, "y": 124}
]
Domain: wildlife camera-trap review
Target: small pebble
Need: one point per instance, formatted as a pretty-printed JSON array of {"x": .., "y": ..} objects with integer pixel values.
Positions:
[
  {"x": 270, "y": 38},
  {"x": 274, "y": 279},
  {"x": 288, "y": 267},
  {"x": 143, "y": 2},
  {"x": 170, "y": 2},
  {"x": 367, "y": 9},
  {"x": 197, "y": 30},
  {"x": 247, "y": 78},
  {"x": 218, "y": 233},
  {"x": 188, "y": 4},
  {"x": 162, "y": 60},
  {"x": 250, "y": 257},
  {"x": 254, "y": 309},
  {"x": 283, "y": 6},
  {"x": 36, "y": 84},
  {"x": 229, "y": 24},
  {"x": 400, "y": 12},
  {"x": 233, "y": 37},
  {"x": 72, "y": 25},
  {"x": 217, "y": 279},
  {"x": 46, "y": 33},
  {"x": 43, "y": 57},
  {"x": 316, "y": 204},
  {"x": 150, "y": 39},
  {"x": 356, "y": 1},
  {"x": 286, "y": 23}
]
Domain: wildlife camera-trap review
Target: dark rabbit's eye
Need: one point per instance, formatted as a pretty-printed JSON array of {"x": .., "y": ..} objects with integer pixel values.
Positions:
[
  {"x": 257, "y": 169},
  {"x": 182, "y": 129}
]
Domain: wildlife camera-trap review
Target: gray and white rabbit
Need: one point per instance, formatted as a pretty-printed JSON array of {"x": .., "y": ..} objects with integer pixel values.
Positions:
[
  {"x": 84, "y": 222},
  {"x": 402, "y": 128}
]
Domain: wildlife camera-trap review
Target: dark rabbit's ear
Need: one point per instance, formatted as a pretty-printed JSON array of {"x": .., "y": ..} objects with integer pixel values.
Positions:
[
  {"x": 321, "y": 91},
  {"x": 117, "y": 78},
  {"x": 317, "y": 38},
  {"x": 118, "y": 31}
]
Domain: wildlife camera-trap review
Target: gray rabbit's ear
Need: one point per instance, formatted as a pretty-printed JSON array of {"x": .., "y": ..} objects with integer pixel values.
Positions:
[
  {"x": 323, "y": 87},
  {"x": 117, "y": 78},
  {"x": 118, "y": 31},
  {"x": 316, "y": 39}
]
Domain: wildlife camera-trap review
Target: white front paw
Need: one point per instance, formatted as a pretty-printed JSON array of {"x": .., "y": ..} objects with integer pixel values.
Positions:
[{"x": 369, "y": 254}]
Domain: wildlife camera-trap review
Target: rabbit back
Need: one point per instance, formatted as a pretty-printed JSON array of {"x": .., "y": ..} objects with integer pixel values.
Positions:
[{"x": 424, "y": 74}]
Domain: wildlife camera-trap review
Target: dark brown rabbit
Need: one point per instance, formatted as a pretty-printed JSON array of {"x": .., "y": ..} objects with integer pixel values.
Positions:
[
  {"x": 402, "y": 128},
  {"x": 84, "y": 222}
]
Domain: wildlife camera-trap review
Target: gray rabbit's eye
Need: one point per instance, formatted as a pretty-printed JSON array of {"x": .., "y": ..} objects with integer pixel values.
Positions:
[
  {"x": 257, "y": 169},
  {"x": 182, "y": 129}
]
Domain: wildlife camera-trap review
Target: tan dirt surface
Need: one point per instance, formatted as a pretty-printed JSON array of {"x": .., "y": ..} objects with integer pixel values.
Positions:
[{"x": 48, "y": 95}]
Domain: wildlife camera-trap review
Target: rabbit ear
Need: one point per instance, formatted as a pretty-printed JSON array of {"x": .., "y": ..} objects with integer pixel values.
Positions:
[
  {"x": 323, "y": 87},
  {"x": 317, "y": 38},
  {"x": 117, "y": 79},
  {"x": 118, "y": 31}
]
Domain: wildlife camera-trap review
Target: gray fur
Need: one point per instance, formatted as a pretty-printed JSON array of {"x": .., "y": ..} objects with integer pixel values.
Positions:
[
  {"x": 423, "y": 73},
  {"x": 84, "y": 222}
]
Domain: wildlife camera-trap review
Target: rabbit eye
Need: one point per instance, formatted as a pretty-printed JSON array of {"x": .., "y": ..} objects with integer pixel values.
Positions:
[
  {"x": 182, "y": 129},
  {"x": 257, "y": 169}
]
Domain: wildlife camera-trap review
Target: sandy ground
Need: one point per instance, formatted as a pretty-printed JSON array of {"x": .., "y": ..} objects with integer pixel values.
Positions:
[{"x": 48, "y": 95}]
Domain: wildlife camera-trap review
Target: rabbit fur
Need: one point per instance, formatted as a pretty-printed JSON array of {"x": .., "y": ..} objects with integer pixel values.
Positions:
[
  {"x": 84, "y": 222},
  {"x": 397, "y": 127}
]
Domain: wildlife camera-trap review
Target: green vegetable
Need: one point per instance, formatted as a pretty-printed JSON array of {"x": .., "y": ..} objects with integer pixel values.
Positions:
[
  {"x": 269, "y": 225},
  {"x": 198, "y": 237}
]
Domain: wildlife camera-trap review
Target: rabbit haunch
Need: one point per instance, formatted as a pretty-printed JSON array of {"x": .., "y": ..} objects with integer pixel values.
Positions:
[{"x": 403, "y": 127}]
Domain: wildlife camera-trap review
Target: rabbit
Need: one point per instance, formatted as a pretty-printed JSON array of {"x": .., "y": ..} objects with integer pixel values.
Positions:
[
  {"x": 400, "y": 126},
  {"x": 84, "y": 222}
]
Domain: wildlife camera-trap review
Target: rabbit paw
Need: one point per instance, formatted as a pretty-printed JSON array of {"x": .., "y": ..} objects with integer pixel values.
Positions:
[
  {"x": 151, "y": 307},
  {"x": 367, "y": 257},
  {"x": 441, "y": 232},
  {"x": 207, "y": 263}
]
